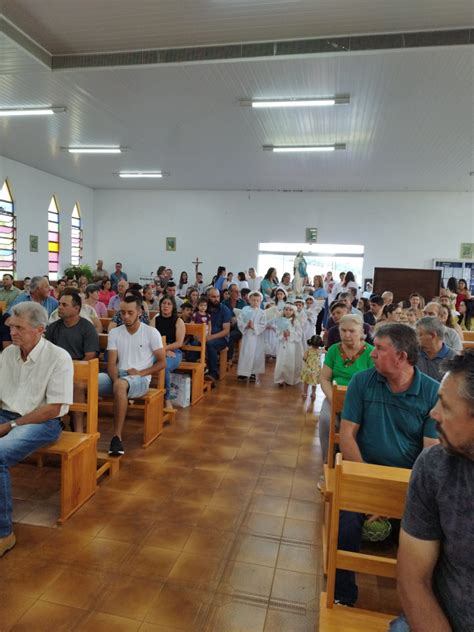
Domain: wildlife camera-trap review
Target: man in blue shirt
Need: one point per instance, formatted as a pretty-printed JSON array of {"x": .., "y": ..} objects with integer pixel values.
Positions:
[
  {"x": 220, "y": 328},
  {"x": 118, "y": 275},
  {"x": 386, "y": 421},
  {"x": 39, "y": 293},
  {"x": 234, "y": 302},
  {"x": 433, "y": 351}
]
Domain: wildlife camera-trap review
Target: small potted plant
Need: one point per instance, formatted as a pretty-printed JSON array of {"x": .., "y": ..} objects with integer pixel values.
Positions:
[{"x": 74, "y": 272}]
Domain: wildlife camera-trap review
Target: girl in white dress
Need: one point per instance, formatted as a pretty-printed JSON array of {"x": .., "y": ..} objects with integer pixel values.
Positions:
[
  {"x": 280, "y": 298},
  {"x": 311, "y": 318},
  {"x": 289, "y": 352},
  {"x": 252, "y": 322},
  {"x": 269, "y": 335}
]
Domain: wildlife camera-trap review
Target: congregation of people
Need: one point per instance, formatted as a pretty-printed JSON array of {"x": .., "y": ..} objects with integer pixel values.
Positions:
[{"x": 392, "y": 356}]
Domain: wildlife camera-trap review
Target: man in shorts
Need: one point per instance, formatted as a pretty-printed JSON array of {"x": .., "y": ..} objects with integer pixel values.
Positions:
[{"x": 135, "y": 353}]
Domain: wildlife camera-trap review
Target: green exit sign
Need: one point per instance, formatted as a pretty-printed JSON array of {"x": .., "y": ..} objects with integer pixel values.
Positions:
[{"x": 311, "y": 235}]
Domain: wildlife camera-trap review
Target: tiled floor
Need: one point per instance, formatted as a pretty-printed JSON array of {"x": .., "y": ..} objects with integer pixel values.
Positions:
[{"x": 214, "y": 528}]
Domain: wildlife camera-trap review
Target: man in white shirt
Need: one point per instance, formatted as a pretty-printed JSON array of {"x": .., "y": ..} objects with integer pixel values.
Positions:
[
  {"x": 135, "y": 353},
  {"x": 253, "y": 280},
  {"x": 36, "y": 388}
]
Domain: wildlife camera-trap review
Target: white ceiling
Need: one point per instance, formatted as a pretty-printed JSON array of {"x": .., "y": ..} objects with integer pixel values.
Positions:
[
  {"x": 66, "y": 26},
  {"x": 409, "y": 125}
]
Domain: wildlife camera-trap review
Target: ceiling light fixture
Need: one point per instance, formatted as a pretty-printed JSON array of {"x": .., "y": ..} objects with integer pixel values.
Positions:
[
  {"x": 112, "y": 149},
  {"x": 296, "y": 102},
  {"x": 284, "y": 149},
  {"x": 141, "y": 174},
  {"x": 45, "y": 111}
]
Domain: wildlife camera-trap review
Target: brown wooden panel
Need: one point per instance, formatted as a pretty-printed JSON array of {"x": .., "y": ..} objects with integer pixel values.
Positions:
[{"x": 403, "y": 281}]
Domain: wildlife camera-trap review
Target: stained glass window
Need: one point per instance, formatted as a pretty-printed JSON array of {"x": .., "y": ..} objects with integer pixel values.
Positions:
[
  {"x": 7, "y": 231},
  {"x": 53, "y": 239},
  {"x": 76, "y": 236}
]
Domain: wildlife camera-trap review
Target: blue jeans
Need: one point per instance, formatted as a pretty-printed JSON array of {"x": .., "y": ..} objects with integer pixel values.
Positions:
[
  {"x": 399, "y": 625},
  {"x": 171, "y": 365},
  {"x": 350, "y": 539},
  {"x": 14, "y": 447},
  {"x": 213, "y": 347}
]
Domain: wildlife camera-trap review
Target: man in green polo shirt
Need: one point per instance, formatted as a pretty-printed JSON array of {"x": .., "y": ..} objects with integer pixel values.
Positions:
[
  {"x": 9, "y": 292},
  {"x": 386, "y": 421}
]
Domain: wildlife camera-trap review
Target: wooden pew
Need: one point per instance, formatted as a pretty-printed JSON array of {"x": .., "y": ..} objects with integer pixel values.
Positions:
[
  {"x": 3, "y": 307},
  {"x": 223, "y": 364},
  {"x": 468, "y": 336},
  {"x": 369, "y": 489},
  {"x": 78, "y": 451},
  {"x": 105, "y": 322},
  {"x": 88, "y": 373},
  {"x": 468, "y": 344},
  {"x": 338, "y": 396},
  {"x": 151, "y": 404},
  {"x": 195, "y": 368}
]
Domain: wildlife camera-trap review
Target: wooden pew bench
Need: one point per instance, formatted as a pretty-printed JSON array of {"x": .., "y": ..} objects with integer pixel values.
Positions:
[
  {"x": 151, "y": 405},
  {"x": 369, "y": 489},
  {"x": 223, "y": 363},
  {"x": 105, "y": 322},
  {"x": 195, "y": 368},
  {"x": 338, "y": 396},
  {"x": 468, "y": 336},
  {"x": 78, "y": 454},
  {"x": 78, "y": 451}
]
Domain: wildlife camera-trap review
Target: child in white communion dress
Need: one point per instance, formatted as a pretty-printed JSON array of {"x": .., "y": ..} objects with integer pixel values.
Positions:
[
  {"x": 289, "y": 352},
  {"x": 252, "y": 322}
]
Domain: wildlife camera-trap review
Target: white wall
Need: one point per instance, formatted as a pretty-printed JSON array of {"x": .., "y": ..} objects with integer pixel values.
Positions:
[
  {"x": 32, "y": 190},
  {"x": 224, "y": 228}
]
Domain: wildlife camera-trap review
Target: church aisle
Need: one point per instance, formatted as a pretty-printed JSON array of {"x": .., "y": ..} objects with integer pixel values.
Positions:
[{"x": 214, "y": 528}]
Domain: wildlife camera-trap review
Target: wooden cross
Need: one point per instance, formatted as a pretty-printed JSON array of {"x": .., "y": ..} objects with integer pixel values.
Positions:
[{"x": 196, "y": 264}]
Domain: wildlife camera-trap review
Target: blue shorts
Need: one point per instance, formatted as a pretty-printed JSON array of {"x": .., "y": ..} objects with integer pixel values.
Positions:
[
  {"x": 137, "y": 385},
  {"x": 399, "y": 625}
]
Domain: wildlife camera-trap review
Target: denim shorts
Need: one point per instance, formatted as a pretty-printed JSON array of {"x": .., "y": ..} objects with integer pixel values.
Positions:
[
  {"x": 399, "y": 625},
  {"x": 137, "y": 385}
]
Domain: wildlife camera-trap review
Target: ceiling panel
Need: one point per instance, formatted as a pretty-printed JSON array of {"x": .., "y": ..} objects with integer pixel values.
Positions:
[
  {"x": 63, "y": 26},
  {"x": 409, "y": 125}
]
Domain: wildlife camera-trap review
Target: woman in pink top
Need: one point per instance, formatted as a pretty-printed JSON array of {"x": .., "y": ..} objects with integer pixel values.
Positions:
[
  {"x": 92, "y": 299},
  {"x": 106, "y": 291}
]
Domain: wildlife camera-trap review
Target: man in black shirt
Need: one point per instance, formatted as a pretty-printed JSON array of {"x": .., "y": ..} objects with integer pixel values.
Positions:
[
  {"x": 78, "y": 337},
  {"x": 436, "y": 554},
  {"x": 376, "y": 307}
]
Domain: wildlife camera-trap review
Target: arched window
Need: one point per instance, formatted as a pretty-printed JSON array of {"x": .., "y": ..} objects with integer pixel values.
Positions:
[
  {"x": 53, "y": 239},
  {"x": 7, "y": 231},
  {"x": 76, "y": 236}
]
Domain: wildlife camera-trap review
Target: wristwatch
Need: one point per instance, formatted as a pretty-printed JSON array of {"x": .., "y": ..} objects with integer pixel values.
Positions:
[{"x": 13, "y": 424}]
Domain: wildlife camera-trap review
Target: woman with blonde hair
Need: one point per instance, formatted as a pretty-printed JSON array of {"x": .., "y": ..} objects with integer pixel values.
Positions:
[{"x": 342, "y": 361}]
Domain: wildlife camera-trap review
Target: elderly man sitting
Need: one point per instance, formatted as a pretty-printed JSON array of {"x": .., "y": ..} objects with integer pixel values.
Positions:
[
  {"x": 451, "y": 337},
  {"x": 433, "y": 350},
  {"x": 36, "y": 388}
]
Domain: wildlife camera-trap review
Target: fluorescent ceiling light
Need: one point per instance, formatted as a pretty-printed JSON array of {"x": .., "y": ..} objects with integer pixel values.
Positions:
[
  {"x": 94, "y": 150},
  {"x": 46, "y": 111},
  {"x": 283, "y": 149},
  {"x": 295, "y": 103},
  {"x": 141, "y": 174}
]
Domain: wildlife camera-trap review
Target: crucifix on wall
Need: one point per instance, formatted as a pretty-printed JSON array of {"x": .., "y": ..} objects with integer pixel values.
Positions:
[{"x": 196, "y": 264}]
